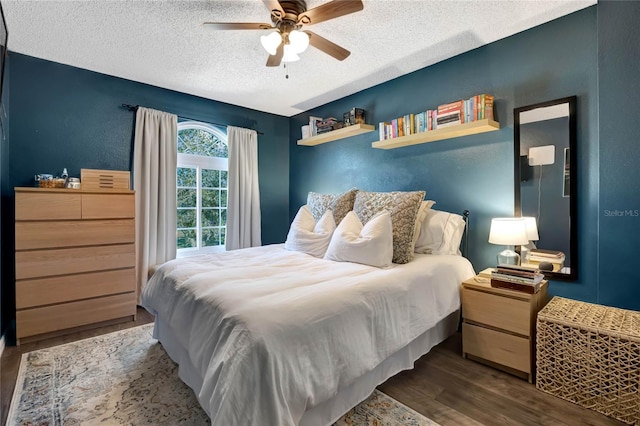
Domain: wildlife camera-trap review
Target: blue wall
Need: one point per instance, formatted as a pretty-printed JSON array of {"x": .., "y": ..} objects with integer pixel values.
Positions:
[
  {"x": 619, "y": 211},
  {"x": 63, "y": 116},
  {"x": 554, "y": 60}
]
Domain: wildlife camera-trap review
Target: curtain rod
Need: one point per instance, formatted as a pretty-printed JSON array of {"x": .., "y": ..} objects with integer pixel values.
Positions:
[{"x": 135, "y": 107}]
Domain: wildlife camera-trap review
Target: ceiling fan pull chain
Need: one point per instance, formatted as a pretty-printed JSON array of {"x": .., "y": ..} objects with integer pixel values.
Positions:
[{"x": 286, "y": 71}]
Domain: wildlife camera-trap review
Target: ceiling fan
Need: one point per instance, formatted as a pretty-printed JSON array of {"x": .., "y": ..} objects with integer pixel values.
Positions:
[{"x": 288, "y": 17}]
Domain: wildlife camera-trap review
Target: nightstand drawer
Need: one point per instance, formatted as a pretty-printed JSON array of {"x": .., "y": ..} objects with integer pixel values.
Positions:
[
  {"x": 497, "y": 311},
  {"x": 502, "y": 348}
]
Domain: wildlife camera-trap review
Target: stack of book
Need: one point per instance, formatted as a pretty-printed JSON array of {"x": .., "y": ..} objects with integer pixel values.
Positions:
[
  {"x": 551, "y": 256},
  {"x": 450, "y": 114},
  {"x": 327, "y": 125},
  {"x": 518, "y": 278}
]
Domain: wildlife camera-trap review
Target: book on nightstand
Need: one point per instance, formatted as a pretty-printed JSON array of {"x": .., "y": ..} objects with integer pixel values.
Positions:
[{"x": 527, "y": 288}]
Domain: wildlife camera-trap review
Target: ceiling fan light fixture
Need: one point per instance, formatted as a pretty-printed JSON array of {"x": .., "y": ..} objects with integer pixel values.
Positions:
[
  {"x": 289, "y": 54},
  {"x": 271, "y": 42},
  {"x": 299, "y": 41}
]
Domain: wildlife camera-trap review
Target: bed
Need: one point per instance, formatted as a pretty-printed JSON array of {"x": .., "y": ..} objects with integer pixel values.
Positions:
[{"x": 274, "y": 336}]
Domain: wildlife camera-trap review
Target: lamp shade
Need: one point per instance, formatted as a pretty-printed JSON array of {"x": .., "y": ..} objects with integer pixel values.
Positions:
[
  {"x": 271, "y": 42},
  {"x": 508, "y": 231},
  {"x": 299, "y": 41},
  {"x": 289, "y": 55},
  {"x": 532, "y": 228}
]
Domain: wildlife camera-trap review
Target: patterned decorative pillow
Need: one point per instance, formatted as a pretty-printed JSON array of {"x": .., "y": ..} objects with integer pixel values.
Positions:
[
  {"x": 339, "y": 204},
  {"x": 403, "y": 207}
]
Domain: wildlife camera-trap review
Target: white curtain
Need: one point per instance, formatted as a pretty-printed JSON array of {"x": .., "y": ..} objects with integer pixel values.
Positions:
[
  {"x": 243, "y": 205},
  {"x": 155, "y": 155}
]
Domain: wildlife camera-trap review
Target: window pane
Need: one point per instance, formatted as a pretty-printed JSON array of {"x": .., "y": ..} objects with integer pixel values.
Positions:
[
  {"x": 210, "y": 217},
  {"x": 210, "y": 198},
  {"x": 187, "y": 177},
  {"x": 223, "y": 236},
  {"x": 223, "y": 178},
  {"x": 186, "y": 218},
  {"x": 223, "y": 217},
  {"x": 187, "y": 238},
  {"x": 223, "y": 198},
  {"x": 210, "y": 237},
  {"x": 187, "y": 198},
  {"x": 201, "y": 142},
  {"x": 210, "y": 178}
]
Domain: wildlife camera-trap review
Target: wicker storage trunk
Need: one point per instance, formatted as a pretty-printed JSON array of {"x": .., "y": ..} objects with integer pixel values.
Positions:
[{"x": 589, "y": 354}]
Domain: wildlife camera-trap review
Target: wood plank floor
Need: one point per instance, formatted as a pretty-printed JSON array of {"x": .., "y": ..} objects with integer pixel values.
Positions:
[{"x": 443, "y": 386}]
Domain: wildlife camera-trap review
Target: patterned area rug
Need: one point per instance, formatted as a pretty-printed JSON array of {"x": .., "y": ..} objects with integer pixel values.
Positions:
[{"x": 126, "y": 378}]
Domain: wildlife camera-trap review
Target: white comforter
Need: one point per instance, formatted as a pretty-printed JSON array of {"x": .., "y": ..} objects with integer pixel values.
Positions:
[{"x": 275, "y": 332}]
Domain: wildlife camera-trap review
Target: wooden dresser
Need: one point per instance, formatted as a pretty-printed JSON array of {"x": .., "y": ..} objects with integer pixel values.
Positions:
[{"x": 75, "y": 260}]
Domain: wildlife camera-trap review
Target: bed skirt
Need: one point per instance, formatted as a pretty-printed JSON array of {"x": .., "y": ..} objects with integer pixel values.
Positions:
[{"x": 331, "y": 410}]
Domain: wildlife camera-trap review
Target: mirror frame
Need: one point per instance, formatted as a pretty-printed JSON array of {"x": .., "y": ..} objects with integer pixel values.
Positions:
[{"x": 573, "y": 187}]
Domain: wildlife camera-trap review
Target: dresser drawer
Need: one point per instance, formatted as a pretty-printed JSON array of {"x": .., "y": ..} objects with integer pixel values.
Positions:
[
  {"x": 46, "y": 263},
  {"x": 58, "y": 234},
  {"x": 502, "y": 348},
  {"x": 47, "y": 206},
  {"x": 108, "y": 206},
  {"x": 47, "y": 291},
  {"x": 497, "y": 311},
  {"x": 31, "y": 322}
]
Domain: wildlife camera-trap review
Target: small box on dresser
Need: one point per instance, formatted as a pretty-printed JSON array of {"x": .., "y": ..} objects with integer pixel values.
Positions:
[
  {"x": 498, "y": 326},
  {"x": 74, "y": 260},
  {"x": 588, "y": 354}
]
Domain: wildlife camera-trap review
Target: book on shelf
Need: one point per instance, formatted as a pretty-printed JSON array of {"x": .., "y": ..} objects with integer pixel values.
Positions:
[
  {"x": 484, "y": 107},
  {"x": 313, "y": 121},
  {"x": 525, "y": 288},
  {"x": 451, "y": 106}
]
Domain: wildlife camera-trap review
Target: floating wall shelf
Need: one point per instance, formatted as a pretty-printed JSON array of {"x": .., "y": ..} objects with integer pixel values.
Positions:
[
  {"x": 471, "y": 128},
  {"x": 334, "y": 135}
]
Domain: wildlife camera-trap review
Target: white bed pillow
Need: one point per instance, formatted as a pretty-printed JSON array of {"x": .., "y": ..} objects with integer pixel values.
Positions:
[
  {"x": 371, "y": 244},
  {"x": 422, "y": 213},
  {"x": 308, "y": 236},
  {"x": 441, "y": 233}
]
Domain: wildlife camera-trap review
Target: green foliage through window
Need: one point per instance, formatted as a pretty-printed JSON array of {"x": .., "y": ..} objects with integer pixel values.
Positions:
[
  {"x": 201, "y": 199},
  {"x": 201, "y": 142}
]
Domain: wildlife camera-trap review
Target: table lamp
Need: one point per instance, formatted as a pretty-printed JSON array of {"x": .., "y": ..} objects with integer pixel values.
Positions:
[
  {"x": 532, "y": 235},
  {"x": 510, "y": 232}
]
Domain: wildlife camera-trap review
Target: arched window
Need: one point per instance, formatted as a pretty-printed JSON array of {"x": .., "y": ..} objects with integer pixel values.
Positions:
[{"x": 201, "y": 188}]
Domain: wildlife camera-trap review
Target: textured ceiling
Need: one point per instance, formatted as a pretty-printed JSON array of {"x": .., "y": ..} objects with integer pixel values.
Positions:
[{"x": 163, "y": 43}]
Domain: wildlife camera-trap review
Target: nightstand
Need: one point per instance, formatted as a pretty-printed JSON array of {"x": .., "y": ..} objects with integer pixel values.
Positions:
[{"x": 498, "y": 326}]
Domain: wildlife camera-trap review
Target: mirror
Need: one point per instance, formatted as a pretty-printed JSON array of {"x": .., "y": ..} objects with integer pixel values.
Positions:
[{"x": 545, "y": 184}]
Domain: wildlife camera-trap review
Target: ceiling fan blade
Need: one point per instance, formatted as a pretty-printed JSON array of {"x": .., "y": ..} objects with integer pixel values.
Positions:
[
  {"x": 328, "y": 47},
  {"x": 274, "y": 60},
  {"x": 237, "y": 26},
  {"x": 330, "y": 10},
  {"x": 274, "y": 8}
]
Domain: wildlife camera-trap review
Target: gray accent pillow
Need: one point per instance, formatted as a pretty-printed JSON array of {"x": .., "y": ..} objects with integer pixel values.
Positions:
[
  {"x": 339, "y": 204},
  {"x": 403, "y": 207}
]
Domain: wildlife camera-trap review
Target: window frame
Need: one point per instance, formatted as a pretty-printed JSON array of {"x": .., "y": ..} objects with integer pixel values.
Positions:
[{"x": 200, "y": 162}]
